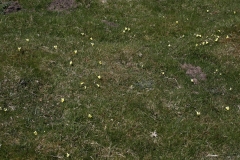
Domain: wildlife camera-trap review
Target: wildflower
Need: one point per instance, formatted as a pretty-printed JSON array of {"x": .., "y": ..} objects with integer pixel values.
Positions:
[
  {"x": 92, "y": 44},
  {"x": 89, "y": 116},
  {"x": 227, "y": 108},
  {"x": 230, "y": 88},
  {"x": 227, "y": 37},
  {"x": 100, "y": 62},
  {"x": 176, "y": 22},
  {"x": 82, "y": 34},
  {"x": 35, "y": 133},
  {"x": 99, "y": 77},
  {"x": 75, "y": 51},
  {"x": 198, "y": 113},
  {"x": 198, "y": 35},
  {"x": 219, "y": 30},
  {"x": 206, "y": 42},
  {"x": 196, "y": 45},
  {"x": 91, "y": 38},
  {"x": 71, "y": 63},
  {"x": 98, "y": 85},
  {"x": 123, "y": 31},
  {"x": 27, "y": 40},
  {"x": 5, "y": 109},
  {"x": 81, "y": 83},
  {"x": 207, "y": 11},
  {"x": 67, "y": 154},
  {"x": 19, "y": 48},
  {"x": 128, "y": 29},
  {"x": 85, "y": 87},
  {"x": 55, "y": 47},
  {"x": 153, "y": 134},
  {"x": 192, "y": 80},
  {"x": 0, "y": 108},
  {"x": 234, "y": 12},
  {"x": 169, "y": 45},
  {"x": 131, "y": 87},
  {"x": 163, "y": 73},
  {"x": 62, "y": 100}
]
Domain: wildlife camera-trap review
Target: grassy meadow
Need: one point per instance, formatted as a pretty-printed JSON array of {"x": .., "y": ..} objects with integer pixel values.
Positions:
[{"x": 121, "y": 79}]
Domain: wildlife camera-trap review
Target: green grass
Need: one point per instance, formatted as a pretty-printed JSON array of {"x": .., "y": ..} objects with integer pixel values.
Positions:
[{"x": 134, "y": 97}]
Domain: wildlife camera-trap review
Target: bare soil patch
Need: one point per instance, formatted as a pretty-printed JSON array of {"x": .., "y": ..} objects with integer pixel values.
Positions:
[
  {"x": 195, "y": 72},
  {"x": 10, "y": 7},
  {"x": 62, "y": 5}
]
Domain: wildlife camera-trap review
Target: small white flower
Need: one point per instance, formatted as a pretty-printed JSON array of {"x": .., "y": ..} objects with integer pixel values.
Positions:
[{"x": 153, "y": 134}]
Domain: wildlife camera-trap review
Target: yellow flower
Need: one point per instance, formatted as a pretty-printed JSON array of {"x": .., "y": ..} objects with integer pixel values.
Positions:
[
  {"x": 163, "y": 73},
  {"x": 68, "y": 155},
  {"x": 128, "y": 29},
  {"x": 234, "y": 12},
  {"x": 92, "y": 44},
  {"x": 207, "y": 11},
  {"x": 82, "y": 34},
  {"x": 19, "y": 48},
  {"x": 89, "y": 116},
  {"x": 98, "y": 85},
  {"x": 85, "y": 87},
  {"x": 227, "y": 108},
  {"x": 216, "y": 39},
  {"x": 99, "y": 77},
  {"x": 176, "y": 22},
  {"x": 227, "y": 37},
  {"x": 62, "y": 100},
  {"x": 75, "y": 51},
  {"x": 169, "y": 45},
  {"x": 91, "y": 38},
  {"x": 198, "y": 35},
  {"x": 230, "y": 88},
  {"x": 27, "y": 40},
  {"x": 35, "y": 133},
  {"x": 100, "y": 62},
  {"x": 81, "y": 83},
  {"x": 71, "y": 63},
  {"x": 198, "y": 113},
  {"x": 55, "y": 47}
]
